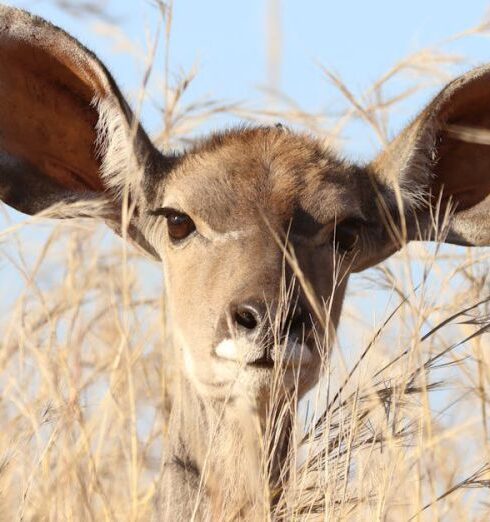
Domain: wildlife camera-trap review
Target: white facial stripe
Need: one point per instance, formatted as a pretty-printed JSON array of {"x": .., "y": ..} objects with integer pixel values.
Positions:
[
  {"x": 232, "y": 235},
  {"x": 206, "y": 230}
]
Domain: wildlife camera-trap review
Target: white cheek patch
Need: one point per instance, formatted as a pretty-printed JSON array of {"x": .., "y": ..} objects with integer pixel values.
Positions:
[{"x": 188, "y": 362}]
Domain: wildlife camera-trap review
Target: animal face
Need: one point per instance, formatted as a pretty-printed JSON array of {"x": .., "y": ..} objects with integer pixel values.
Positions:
[
  {"x": 258, "y": 229},
  {"x": 224, "y": 221}
]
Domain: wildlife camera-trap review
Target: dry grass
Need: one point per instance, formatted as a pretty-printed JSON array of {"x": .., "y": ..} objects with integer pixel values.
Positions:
[{"x": 397, "y": 430}]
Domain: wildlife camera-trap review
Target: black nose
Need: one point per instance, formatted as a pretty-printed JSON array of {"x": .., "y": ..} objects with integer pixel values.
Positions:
[
  {"x": 252, "y": 315},
  {"x": 248, "y": 316},
  {"x": 296, "y": 320}
]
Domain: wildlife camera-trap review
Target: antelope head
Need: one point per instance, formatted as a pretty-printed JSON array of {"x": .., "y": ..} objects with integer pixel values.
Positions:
[{"x": 258, "y": 228}]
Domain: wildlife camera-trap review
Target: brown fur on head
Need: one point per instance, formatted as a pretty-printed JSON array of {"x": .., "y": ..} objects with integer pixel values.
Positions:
[
  {"x": 242, "y": 203},
  {"x": 246, "y": 191}
]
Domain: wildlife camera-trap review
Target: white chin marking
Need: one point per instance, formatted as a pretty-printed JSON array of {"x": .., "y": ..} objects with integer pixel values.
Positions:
[
  {"x": 228, "y": 349},
  {"x": 241, "y": 351}
]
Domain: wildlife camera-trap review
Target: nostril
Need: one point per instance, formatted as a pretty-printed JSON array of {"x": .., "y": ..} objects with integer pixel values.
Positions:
[
  {"x": 296, "y": 319},
  {"x": 245, "y": 317}
]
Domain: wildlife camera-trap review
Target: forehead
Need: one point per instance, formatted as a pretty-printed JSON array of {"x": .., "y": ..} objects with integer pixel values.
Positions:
[{"x": 242, "y": 175}]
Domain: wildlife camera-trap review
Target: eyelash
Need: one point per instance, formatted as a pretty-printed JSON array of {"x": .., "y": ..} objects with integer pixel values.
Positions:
[{"x": 179, "y": 224}]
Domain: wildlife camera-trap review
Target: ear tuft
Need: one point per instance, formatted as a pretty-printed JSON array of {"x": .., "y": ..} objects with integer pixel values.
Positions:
[{"x": 117, "y": 149}]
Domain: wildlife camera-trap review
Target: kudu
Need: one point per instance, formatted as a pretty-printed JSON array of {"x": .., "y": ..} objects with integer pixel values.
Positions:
[{"x": 218, "y": 217}]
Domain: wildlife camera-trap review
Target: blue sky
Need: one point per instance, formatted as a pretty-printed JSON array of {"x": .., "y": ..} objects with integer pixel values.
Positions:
[{"x": 356, "y": 39}]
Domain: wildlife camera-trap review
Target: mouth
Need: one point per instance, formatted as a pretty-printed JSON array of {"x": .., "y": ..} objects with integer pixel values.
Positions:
[
  {"x": 251, "y": 357},
  {"x": 264, "y": 363}
]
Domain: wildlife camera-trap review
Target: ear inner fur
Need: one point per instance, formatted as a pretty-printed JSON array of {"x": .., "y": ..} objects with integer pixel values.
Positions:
[
  {"x": 439, "y": 160},
  {"x": 47, "y": 102},
  {"x": 54, "y": 94}
]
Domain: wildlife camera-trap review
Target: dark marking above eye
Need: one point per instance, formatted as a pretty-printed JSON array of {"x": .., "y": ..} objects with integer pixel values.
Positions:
[
  {"x": 304, "y": 224},
  {"x": 164, "y": 211}
]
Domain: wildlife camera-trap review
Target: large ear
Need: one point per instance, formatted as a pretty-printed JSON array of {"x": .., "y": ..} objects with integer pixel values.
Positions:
[
  {"x": 441, "y": 164},
  {"x": 66, "y": 132}
]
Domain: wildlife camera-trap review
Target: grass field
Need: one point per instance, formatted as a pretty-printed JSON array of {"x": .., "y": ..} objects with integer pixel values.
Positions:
[{"x": 398, "y": 429}]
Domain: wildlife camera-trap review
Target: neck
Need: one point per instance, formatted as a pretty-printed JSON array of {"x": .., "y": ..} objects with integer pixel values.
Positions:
[{"x": 223, "y": 442}]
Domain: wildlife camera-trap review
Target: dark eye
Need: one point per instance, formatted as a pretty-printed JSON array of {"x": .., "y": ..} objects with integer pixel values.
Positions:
[
  {"x": 179, "y": 225},
  {"x": 346, "y": 235}
]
